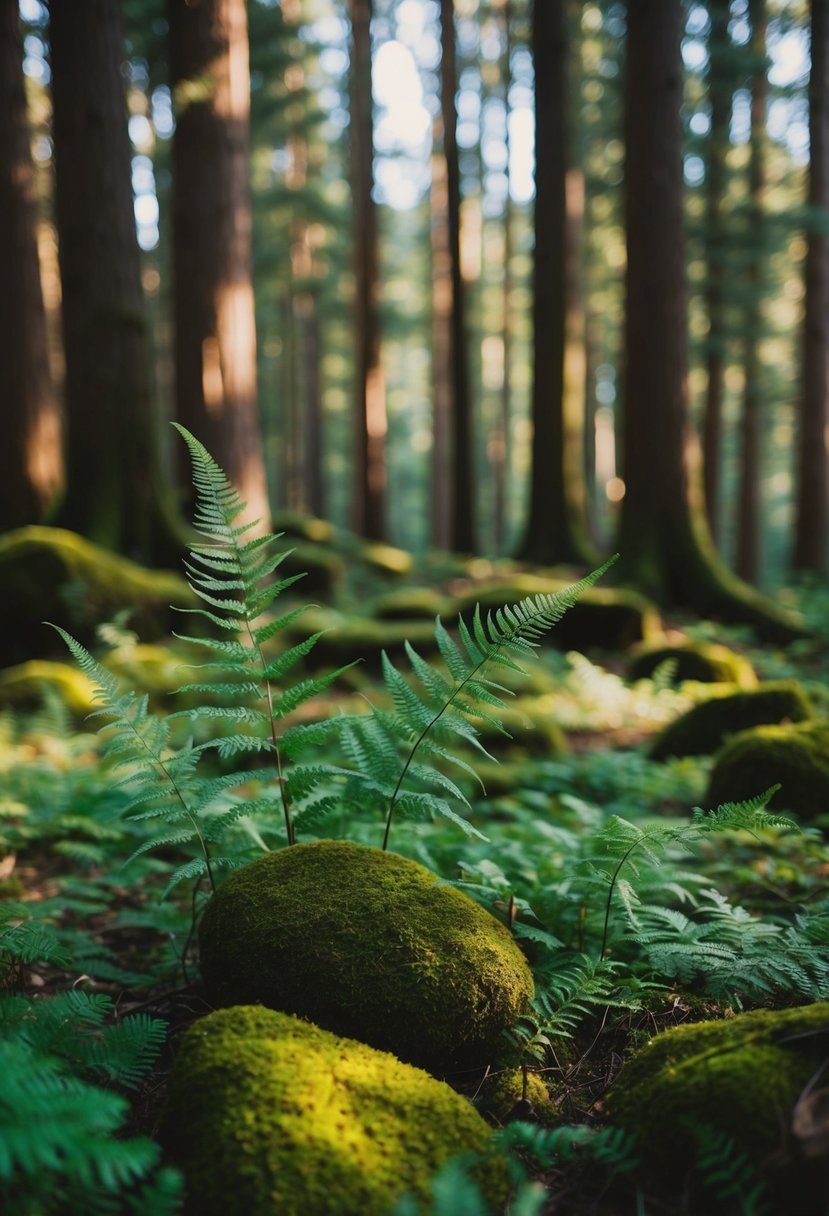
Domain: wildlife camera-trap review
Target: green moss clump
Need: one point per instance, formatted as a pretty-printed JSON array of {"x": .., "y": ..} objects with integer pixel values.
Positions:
[
  {"x": 795, "y": 756},
  {"x": 703, "y": 728},
  {"x": 349, "y": 639},
  {"x": 49, "y": 574},
  {"x": 706, "y": 662},
  {"x": 505, "y": 1098},
  {"x": 737, "y": 1079},
  {"x": 269, "y": 1114},
  {"x": 411, "y": 604},
  {"x": 23, "y": 686},
  {"x": 369, "y": 945},
  {"x": 603, "y": 618}
]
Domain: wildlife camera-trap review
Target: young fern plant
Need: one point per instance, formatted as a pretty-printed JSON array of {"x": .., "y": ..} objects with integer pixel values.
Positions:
[
  {"x": 232, "y": 574},
  {"x": 434, "y": 710}
]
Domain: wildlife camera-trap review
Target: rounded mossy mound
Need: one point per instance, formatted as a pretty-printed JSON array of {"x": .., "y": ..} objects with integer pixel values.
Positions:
[
  {"x": 26, "y": 685},
  {"x": 603, "y": 618},
  {"x": 702, "y": 730},
  {"x": 532, "y": 730},
  {"x": 732, "y": 1083},
  {"x": 369, "y": 945},
  {"x": 269, "y": 1114},
  {"x": 49, "y": 574},
  {"x": 411, "y": 604},
  {"x": 510, "y": 1097},
  {"x": 795, "y": 757},
  {"x": 705, "y": 662}
]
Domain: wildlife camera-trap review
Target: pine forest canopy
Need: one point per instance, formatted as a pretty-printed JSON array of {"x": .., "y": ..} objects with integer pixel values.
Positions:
[{"x": 459, "y": 285}]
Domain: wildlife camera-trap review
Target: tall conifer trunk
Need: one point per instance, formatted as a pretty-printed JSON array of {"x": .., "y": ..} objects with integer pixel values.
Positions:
[
  {"x": 215, "y": 332},
  {"x": 113, "y": 491},
  {"x": 30, "y": 456},
  {"x": 813, "y": 449},
  {"x": 461, "y": 440},
  {"x": 664, "y": 539},
  {"x": 556, "y": 529},
  {"x": 370, "y": 392}
]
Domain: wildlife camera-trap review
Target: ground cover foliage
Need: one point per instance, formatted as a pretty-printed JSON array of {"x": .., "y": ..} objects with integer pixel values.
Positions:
[{"x": 638, "y": 907}]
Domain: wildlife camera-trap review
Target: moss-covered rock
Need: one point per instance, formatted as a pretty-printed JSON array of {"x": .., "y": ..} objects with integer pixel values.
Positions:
[
  {"x": 267, "y": 1114},
  {"x": 734, "y": 1080},
  {"x": 507, "y": 1098},
  {"x": 532, "y": 726},
  {"x": 369, "y": 945},
  {"x": 54, "y": 575},
  {"x": 706, "y": 662},
  {"x": 23, "y": 686},
  {"x": 603, "y": 618},
  {"x": 796, "y": 756},
  {"x": 411, "y": 604},
  {"x": 703, "y": 728},
  {"x": 349, "y": 639}
]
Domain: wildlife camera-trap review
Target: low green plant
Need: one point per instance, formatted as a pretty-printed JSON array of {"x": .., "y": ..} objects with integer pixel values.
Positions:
[{"x": 396, "y": 757}]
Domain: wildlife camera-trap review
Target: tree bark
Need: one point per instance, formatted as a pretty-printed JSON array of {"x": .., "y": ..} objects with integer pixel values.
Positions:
[
  {"x": 30, "y": 460},
  {"x": 720, "y": 96},
  {"x": 461, "y": 441},
  {"x": 557, "y": 524},
  {"x": 215, "y": 331},
  {"x": 751, "y": 421},
  {"x": 114, "y": 491},
  {"x": 664, "y": 538},
  {"x": 370, "y": 403},
  {"x": 813, "y": 453}
]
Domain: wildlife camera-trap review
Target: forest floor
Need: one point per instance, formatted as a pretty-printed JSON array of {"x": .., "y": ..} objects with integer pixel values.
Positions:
[{"x": 78, "y": 926}]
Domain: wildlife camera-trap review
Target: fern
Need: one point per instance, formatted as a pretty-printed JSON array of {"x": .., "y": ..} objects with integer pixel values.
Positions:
[{"x": 433, "y": 712}]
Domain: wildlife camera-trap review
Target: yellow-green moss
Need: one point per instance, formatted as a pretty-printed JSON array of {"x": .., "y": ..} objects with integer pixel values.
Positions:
[
  {"x": 411, "y": 603},
  {"x": 348, "y": 639},
  {"x": 532, "y": 728},
  {"x": 796, "y": 756},
  {"x": 24, "y": 685},
  {"x": 267, "y": 1114},
  {"x": 505, "y": 1097},
  {"x": 603, "y": 618},
  {"x": 738, "y": 1078},
  {"x": 369, "y": 945},
  {"x": 703, "y": 728},
  {"x": 706, "y": 662},
  {"x": 55, "y": 575}
]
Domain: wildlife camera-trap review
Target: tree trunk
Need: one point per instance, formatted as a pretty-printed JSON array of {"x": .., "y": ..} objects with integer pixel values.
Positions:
[
  {"x": 370, "y": 404},
  {"x": 215, "y": 331},
  {"x": 751, "y": 422},
  {"x": 441, "y": 464},
  {"x": 30, "y": 462},
  {"x": 664, "y": 539},
  {"x": 113, "y": 486},
  {"x": 811, "y": 516},
  {"x": 556, "y": 528},
  {"x": 462, "y": 530},
  {"x": 720, "y": 94}
]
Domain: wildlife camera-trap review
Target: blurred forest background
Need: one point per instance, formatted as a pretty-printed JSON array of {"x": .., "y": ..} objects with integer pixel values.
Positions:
[{"x": 486, "y": 275}]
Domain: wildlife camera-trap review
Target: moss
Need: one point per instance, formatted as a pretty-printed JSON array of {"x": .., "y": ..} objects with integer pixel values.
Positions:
[
  {"x": 410, "y": 604},
  {"x": 55, "y": 575},
  {"x": 707, "y": 662},
  {"x": 348, "y": 639},
  {"x": 795, "y": 756},
  {"x": 24, "y": 685},
  {"x": 322, "y": 568},
  {"x": 295, "y": 526},
  {"x": 385, "y": 559},
  {"x": 605, "y": 618},
  {"x": 505, "y": 1098},
  {"x": 738, "y": 1078},
  {"x": 532, "y": 728},
  {"x": 268, "y": 1114},
  {"x": 369, "y": 945},
  {"x": 703, "y": 728}
]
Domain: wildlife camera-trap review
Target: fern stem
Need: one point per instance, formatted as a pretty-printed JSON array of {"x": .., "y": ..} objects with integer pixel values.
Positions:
[
  {"x": 286, "y": 806},
  {"x": 611, "y": 889}
]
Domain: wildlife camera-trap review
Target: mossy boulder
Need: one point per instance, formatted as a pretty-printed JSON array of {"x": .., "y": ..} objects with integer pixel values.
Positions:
[
  {"x": 49, "y": 574},
  {"x": 603, "y": 618},
  {"x": 367, "y": 944},
  {"x": 734, "y": 1080},
  {"x": 350, "y": 639},
  {"x": 508, "y": 1098},
  {"x": 412, "y": 604},
  {"x": 269, "y": 1114},
  {"x": 705, "y": 662},
  {"x": 703, "y": 729},
  {"x": 24, "y": 686},
  {"x": 796, "y": 757}
]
